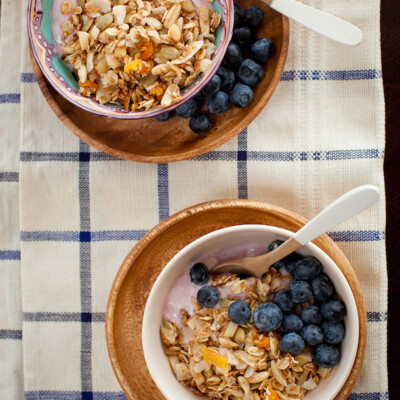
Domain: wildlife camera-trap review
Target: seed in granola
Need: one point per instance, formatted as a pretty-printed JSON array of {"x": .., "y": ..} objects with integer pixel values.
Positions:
[
  {"x": 105, "y": 21},
  {"x": 171, "y": 53}
]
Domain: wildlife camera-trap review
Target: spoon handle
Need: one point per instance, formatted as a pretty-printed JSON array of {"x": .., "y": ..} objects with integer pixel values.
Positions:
[
  {"x": 342, "y": 209},
  {"x": 319, "y": 21}
]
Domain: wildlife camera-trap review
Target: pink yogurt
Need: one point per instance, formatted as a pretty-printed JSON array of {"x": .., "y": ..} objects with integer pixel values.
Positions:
[
  {"x": 181, "y": 293},
  {"x": 57, "y": 18}
]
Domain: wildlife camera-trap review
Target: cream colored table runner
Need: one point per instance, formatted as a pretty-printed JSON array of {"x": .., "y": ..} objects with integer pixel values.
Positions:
[{"x": 70, "y": 214}]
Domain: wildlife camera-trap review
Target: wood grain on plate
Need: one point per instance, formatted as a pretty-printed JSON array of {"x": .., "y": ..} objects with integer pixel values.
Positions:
[
  {"x": 143, "y": 264},
  {"x": 148, "y": 140}
]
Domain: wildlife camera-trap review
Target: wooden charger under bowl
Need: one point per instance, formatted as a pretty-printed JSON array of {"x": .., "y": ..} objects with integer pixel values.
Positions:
[
  {"x": 146, "y": 260},
  {"x": 148, "y": 140}
]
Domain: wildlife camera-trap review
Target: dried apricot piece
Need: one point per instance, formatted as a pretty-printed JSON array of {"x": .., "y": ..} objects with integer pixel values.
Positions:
[
  {"x": 148, "y": 50},
  {"x": 212, "y": 356},
  {"x": 142, "y": 67},
  {"x": 264, "y": 342},
  {"x": 271, "y": 394}
]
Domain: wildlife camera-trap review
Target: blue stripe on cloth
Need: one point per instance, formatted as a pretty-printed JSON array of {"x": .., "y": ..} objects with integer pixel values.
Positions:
[
  {"x": 103, "y": 236},
  {"x": 357, "y": 236},
  {"x": 10, "y": 255},
  {"x": 39, "y": 156},
  {"x": 218, "y": 155},
  {"x": 63, "y": 317},
  {"x": 163, "y": 195},
  {"x": 10, "y": 98},
  {"x": 369, "y": 396},
  {"x": 10, "y": 334},
  {"x": 377, "y": 316},
  {"x": 372, "y": 316},
  {"x": 242, "y": 165},
  {"x": 75, "y": 236},
  {"x": 318, "y": 75},
  {"x": 9, "y": 176},
  {"x": 68, "y": 395},
  {"x": 28, "y": 77},
  {"x": 49, "y": 236},
  {"x": 331, "y": 155},
  {"x": 85, "y": 267}
]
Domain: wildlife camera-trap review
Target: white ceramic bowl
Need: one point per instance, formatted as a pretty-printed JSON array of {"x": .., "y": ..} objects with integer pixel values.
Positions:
[{"x": 223, "y": 239}]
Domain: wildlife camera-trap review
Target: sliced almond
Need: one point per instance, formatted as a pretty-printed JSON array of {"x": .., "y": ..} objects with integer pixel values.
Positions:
[
  {"x": 172, "y": 15},
  {"x": 204, "y": 20}
]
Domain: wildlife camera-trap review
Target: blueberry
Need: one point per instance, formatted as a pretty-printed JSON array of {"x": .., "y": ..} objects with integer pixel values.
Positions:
[
  {"x": 333, "y": 310},
  {"x": 164, "y": 117},
  {"x": 267, "y": 317},
  {"x": 241, "y": 95},
  {"x": 262, "y": 49},
  {"x": 250, "y": 72},
  {"x": 333, "y": 332},
  {"x": 307, "y": 269},
  {"x": 322, "y": 287},
  {"x": 253, "y": 16},
  {"x": 199, "y": 97},
  {"x": 239, "y": 312},
  {"x": 288, "y": 262},
  {"x": 292, "y": 343},
  {"x": 311, "y": 315},
  {"x": 186, "y": 110},
  {"x": 326, "y": 356},
  {"x": 239, "y": 15},
  {"x": 292, "y": 323},
  {"x": 282, "y": 300},
  {"x": 218, "y": 103},
  {"x": 312, "y": 334},
  {"x": 200, "y": 123},
  {"x": 212, "y": 86},
  {"x": 227, "y": 78},
  {"x": 273, "y": 245},
  {"x": 199, "y": 274},
  {"x": 208, "y": 296},
  {"x": 233, "y": 56},
  {"x": 243, "y": 37},
  {"x": 300, "y": 292}
]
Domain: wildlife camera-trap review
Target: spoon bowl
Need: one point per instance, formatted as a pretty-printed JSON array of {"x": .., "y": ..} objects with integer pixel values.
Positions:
[{"x": 343, "y": 208}]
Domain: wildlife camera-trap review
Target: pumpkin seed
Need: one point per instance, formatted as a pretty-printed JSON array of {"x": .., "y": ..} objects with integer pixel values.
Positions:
[
  {"x": 170, "y": 52},
  {"x": 105, "y": 21}
]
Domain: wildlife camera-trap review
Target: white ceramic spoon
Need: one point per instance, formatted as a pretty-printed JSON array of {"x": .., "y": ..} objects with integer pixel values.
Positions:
[
  {"x": 342, "y": 209},
  {"x": 319, "y": 21}
]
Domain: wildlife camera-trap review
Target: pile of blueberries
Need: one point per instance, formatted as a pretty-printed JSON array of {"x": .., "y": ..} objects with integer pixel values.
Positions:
[
  {"x": 309, "y": 313},
  {"x": 241, "y": 70}
]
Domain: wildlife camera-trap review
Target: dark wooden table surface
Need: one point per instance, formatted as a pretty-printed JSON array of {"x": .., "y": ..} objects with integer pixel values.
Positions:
[{"x": 390, "y": 28}]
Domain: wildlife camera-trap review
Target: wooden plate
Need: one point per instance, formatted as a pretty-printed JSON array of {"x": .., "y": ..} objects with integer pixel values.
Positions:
[
  {"x": 143, "y": 264},
  {"x": 148, "y": 140}
]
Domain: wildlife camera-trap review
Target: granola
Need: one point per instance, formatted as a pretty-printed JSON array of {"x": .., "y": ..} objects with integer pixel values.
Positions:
[
  {"x": 215, "y": 357},
  {"x": 136, "y": 53}
]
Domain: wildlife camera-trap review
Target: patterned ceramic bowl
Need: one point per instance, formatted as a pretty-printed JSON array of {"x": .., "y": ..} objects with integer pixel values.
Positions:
[{"x": 62, "y": 79}]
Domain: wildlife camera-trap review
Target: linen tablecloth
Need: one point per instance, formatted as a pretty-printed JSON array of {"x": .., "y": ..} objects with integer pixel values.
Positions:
[{"x": 70, "y": 214}]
